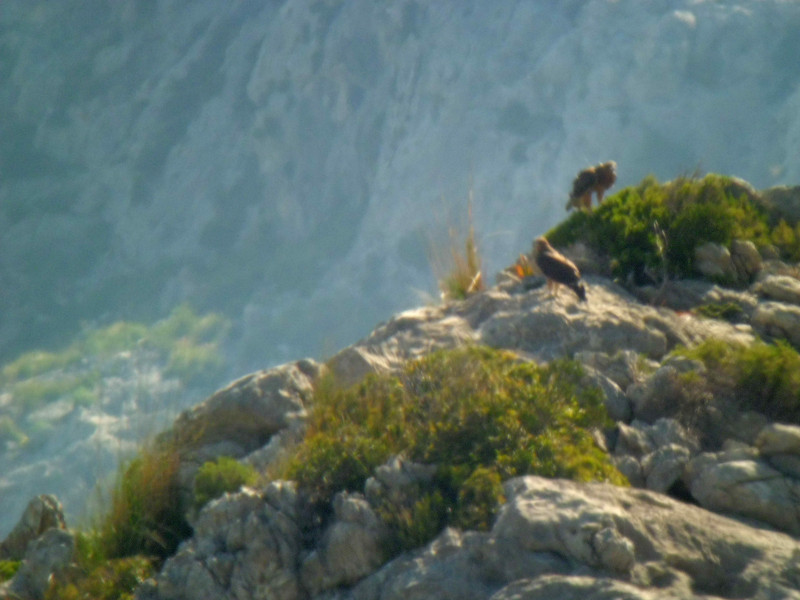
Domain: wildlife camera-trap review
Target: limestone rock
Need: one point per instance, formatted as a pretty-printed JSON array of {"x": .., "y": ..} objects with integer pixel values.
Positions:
[
  {"x": 350, "y": 548},
  {"x": 574, "y": 587},
  {"x": 781, "y": 288},
  {"x": 778, "y": 438},
  {"x": 713, "y": 260},
  {"x": 611, "y": 319},
  {"x": 42, "y": 513},
  {"x": 653, "y": 456},
  {"x": 784, "y": 200},
  {"x": 397, "y": 481},
  {"x": 720, "y": 556},
  {"x": 746, "y": 260},
  {"x": 47, "y": 555},
  {"x": 741, "y": 484},
  {"x": 622, "y": 367},
  {"x": 663, "y": 467},
  {"x": 655, "y": 396},
  {"x": 408, "y": 335},
  {"x": 243, "y": 417},
  {"x": 779, "y": 320},
  {"x": 616, "y": 403},
  {"x": 245, "y": 545}
]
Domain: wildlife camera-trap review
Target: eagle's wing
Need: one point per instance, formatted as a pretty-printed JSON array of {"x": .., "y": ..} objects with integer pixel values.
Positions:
[
  {"x": 558, "y": 267},
  {"x": 583, "y": 182}
]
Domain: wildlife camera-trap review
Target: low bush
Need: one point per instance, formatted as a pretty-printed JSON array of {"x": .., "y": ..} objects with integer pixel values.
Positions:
[
  {"x": 761, "y": 377},
  {"x": 653, "y": 226},
  {"x": 215, "y": 478},
  {"x": 479, "y": 415}
]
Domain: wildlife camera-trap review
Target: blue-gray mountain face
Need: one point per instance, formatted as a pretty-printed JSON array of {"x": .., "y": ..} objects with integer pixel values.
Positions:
[{"x": 286, "y": 162}]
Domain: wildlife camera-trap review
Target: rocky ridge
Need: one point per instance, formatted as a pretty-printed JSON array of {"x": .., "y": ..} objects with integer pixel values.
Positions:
[{"x": 703, "y": 519}]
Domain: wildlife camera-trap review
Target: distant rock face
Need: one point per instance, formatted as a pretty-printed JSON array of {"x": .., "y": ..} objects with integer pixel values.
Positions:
[{"x": 287, "y": 161}]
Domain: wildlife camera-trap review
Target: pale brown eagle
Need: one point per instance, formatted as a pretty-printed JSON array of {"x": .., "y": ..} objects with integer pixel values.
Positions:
[
  {"x": 558, "y": 269},
  {"x": 595, "y": 179}
]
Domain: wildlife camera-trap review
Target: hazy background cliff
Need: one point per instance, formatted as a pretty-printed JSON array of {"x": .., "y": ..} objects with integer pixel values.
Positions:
[{"x": 286, "y": 162}]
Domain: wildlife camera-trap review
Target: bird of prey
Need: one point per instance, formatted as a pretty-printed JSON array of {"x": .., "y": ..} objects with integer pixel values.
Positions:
[
  {"x": 595, "y": 179},
  {"x": 558, "y": 269}
]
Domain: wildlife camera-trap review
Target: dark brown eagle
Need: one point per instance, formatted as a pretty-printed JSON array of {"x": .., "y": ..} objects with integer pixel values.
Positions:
[
  {"x": 558, "y": 269},
  {"x": 595, "y": 179}
]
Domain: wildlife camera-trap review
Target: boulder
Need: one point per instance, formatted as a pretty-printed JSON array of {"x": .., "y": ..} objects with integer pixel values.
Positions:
[
  {"x": 42, "y": 513},
  {"x": 778, "y": 438},
  {"x": 653, "y": 456},
  {"x": 242, "y": 418},
  {"x": 573, "y": 587},
  {"x": 408, "y": 335},
  {"x": 245, "y": 545},
  {"x": 656, "y": 396},
  {"x": 777, "y": 319},
  {"x": 746, "y": 260},
  {"x": 781, "y": 288},
  {"x": 783, "y": 200},
  {"x": 350, "y": 549},
  {"x": 713, "y": 260},
  {"x": 737, "y": 482},
  {"x": 46, "y": 556}
]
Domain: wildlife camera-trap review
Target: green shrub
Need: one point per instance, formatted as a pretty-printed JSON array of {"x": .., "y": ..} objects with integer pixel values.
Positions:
[
  {"x": 761, "y": 377},
  {"x": 8, "y": 568},
  {"x": 479, "y": 415},
  {"x": 215, "y": 478},
  {"x": 690, "y": 211}
]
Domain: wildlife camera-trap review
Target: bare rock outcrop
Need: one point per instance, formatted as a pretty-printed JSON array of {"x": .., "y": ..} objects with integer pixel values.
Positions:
[
  {"x": 246, "y": 545},
  {"x": 561, "y": 539},
  {"x": 47, "y": 555},
  {"x": 533, "y": 323},
  {"x": 42, "y": 513}
]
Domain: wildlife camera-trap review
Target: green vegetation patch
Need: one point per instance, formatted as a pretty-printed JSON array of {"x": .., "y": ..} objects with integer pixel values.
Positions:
[
  {"x": 218, "y": 477},
  {"x": 761, "y": 377},
  {"x": 187, "y": 344},
  {"x": 8, "y": 568},
  {"x": 726, "y": 311},
  {"x": 146, "y": 514},
  {"x": 479, "y": 415},
  {"x": 115, "y": 579},
  {"x": 654, "y": 227}
]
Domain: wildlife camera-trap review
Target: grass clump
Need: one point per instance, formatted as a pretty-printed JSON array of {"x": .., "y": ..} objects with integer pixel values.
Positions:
[
  {"x": 215, "y": 478},
  {"x": 479, "y": 415},
  {"x": 655, "y": 227},
  {"x": 761, "y": 377},
  {"x": 726, "y": 311},
  {"x": 458, "y": 268},
  {"x": 146, "y": 514}
]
